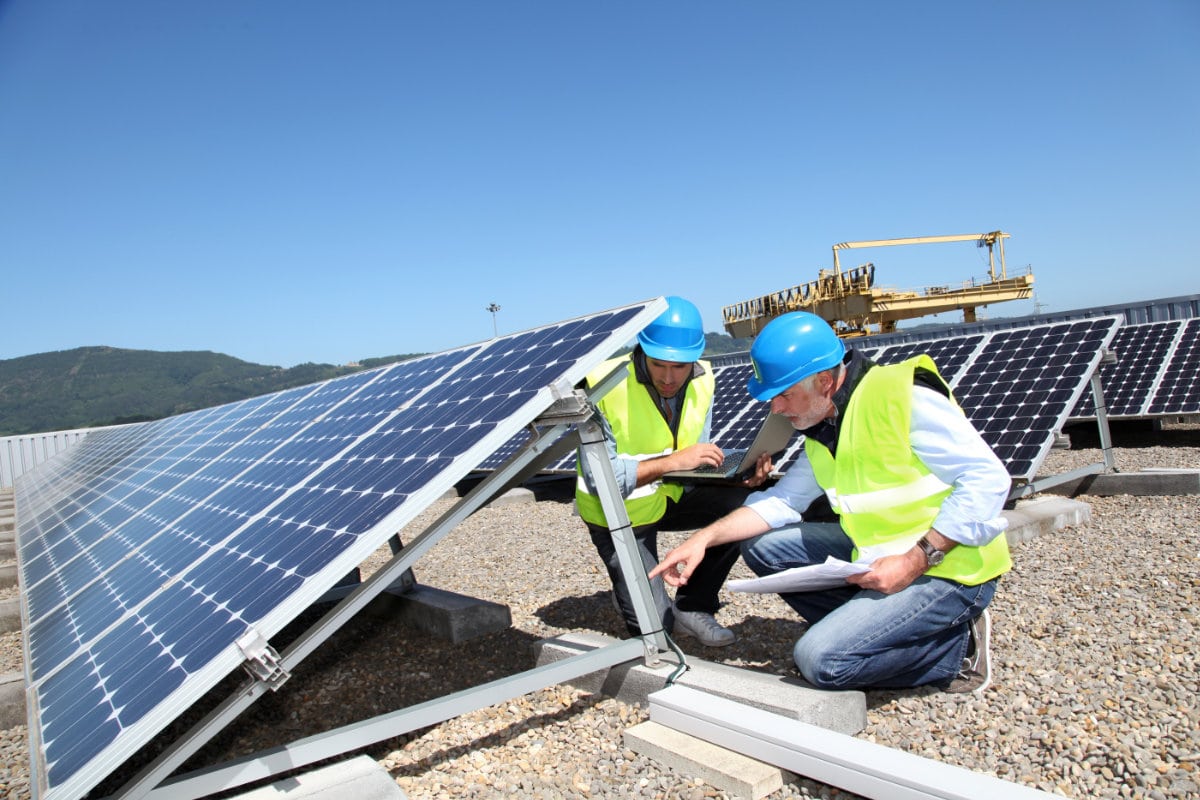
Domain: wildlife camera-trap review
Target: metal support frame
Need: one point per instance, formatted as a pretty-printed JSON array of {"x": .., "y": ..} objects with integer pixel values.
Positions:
[
  {"x": 568, "y": 415},
  {"x": 595, "y": 460},
  {"x": 386, "y": 726},
  {"x": 593, "y": 456},
  {"x": 833, "y": 758}
]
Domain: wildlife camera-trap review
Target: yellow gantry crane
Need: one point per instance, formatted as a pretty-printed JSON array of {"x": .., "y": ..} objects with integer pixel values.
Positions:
[{"x": 854, "y": 306}]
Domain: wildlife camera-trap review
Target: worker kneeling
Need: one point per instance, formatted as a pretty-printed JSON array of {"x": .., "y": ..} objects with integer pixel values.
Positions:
[
  {"x": 658, "y": 420},
  {"x": 909, "y": 478}
]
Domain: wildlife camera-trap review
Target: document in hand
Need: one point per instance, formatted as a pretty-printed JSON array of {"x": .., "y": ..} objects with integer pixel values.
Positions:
[{"x": 831, "y": 574}]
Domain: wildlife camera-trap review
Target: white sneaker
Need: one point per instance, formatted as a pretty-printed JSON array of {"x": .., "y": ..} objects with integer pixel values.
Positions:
[
  {"x": 976, "y": 673},
  {"x": 704, "y": 627}
]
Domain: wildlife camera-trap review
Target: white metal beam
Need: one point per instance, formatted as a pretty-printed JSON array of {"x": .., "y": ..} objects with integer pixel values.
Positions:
[{"x": 833, "y": 758}]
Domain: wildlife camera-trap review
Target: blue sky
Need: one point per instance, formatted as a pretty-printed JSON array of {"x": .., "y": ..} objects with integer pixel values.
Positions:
[{"x": 314, "y": 181}]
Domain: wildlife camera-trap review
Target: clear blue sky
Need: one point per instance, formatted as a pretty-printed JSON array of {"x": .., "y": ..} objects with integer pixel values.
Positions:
[{"x": 321, "y": 181}]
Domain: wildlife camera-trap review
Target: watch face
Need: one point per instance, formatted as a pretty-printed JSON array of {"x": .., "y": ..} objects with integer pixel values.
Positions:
[{"x": 935, "y": 557}]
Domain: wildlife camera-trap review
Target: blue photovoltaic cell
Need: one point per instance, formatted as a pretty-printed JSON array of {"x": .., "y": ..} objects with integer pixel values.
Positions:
[
  {"x": 1154, "y": 373},
  {"x": 147, "y": 551},
  {"x": 1179, "y": 390}
]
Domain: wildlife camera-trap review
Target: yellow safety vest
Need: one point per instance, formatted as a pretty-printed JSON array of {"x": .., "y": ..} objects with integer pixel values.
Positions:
[
  {"x": 878, "y": 486},
  {"x": 641, "y": 433}
]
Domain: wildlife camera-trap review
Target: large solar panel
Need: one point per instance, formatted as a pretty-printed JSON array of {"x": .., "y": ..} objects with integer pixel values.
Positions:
[
  {"x": 1156, "y": 372},
  {"x": 153, "y": 557}
]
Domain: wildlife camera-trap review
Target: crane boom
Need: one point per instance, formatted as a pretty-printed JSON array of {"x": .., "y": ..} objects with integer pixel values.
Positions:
[{"x": 984, "y": 240}]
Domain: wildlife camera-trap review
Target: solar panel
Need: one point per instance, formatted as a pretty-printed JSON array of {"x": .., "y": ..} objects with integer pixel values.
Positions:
[
  {"x": 951, "y": 354},
  {"x": 1155, "y": 372},
  {"x": 1179, "y": 390},
  {"x": 153, "y": 557},
  {"x": 1022, "y": 383}
]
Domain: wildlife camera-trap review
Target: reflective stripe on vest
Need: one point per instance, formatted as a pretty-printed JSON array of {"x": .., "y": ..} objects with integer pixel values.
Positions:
[{"x": 883, "y": 499}]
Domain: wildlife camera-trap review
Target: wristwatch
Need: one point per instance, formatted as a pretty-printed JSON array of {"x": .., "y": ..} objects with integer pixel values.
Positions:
[{"x": 933, "y": 556}]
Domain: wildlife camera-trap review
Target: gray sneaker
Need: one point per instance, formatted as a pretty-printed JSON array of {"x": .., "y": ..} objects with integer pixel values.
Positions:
[
  {"x": 976, "y": 672},
  {"x": 704, "y": 627}
]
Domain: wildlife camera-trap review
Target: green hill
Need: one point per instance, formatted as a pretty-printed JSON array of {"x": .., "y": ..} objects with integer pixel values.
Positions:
[{"x": 92, "y": 386}]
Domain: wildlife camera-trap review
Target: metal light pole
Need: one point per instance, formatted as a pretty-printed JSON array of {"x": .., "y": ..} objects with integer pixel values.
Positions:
[{"x": 492, "y": 307}]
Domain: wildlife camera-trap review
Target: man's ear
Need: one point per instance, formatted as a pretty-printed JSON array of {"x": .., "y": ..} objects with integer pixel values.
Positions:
[{"x": 825, "y": 381}]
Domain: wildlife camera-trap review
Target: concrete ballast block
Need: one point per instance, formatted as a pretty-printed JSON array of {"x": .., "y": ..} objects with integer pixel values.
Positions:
[
  {"x": 1043, "y": 516},
  {"x": 10, "y": 615},
  {"x": 447, "y": 615},
  {"x": 12, "y": 700},
  {"x": 732, "y": 772},
  {"x": 633, "y": 682},
  {"x": 361, "y": 778}
]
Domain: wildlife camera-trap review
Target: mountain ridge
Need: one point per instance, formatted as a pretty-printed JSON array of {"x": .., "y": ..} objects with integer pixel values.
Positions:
[{"x": 97, "y": 385}]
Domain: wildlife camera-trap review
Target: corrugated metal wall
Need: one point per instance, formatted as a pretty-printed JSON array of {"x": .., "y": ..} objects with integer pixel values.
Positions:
[{"x": 20, "y": 454}]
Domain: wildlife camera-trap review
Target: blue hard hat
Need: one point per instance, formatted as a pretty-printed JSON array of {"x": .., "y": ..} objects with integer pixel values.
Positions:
[
  {"x": 677, "y": 334},
  {"x": 789, "y": 349}
]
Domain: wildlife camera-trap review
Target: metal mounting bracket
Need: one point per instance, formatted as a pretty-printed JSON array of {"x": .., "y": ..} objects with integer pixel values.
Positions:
[
  {"x": 568, "y": 407},
  {"x": 262, "y": 660}
]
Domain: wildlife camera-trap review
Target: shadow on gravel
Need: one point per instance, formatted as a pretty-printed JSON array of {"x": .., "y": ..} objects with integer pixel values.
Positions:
[
  {"x": 1133, "y": 433},
  {"x": 592, "y": 612},
  {"x": 497, "y": 738}
]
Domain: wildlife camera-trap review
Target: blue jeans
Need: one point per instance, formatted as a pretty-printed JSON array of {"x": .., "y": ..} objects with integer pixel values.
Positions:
[{"x": 861, "y": 638}]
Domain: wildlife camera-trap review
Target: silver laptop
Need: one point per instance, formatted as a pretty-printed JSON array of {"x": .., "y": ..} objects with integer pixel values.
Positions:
[{"x": 773, "y": 438}]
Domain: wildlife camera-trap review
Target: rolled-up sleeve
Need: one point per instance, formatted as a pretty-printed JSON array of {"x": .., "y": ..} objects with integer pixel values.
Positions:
[{"x": 950, "y": 447}]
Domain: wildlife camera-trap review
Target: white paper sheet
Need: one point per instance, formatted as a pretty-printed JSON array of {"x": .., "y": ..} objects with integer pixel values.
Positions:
[{"x": 803, "y": 579}]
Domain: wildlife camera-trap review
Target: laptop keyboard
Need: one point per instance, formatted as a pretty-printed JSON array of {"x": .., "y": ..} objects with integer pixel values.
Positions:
[{"x": 730, "y": 466}]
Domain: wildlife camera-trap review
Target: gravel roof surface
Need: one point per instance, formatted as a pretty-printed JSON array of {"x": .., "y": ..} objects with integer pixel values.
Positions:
[{"x": 1094, "y": 642}]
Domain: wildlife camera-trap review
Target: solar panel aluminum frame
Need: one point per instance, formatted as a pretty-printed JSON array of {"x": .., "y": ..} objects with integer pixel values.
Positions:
[{"x": 231, "y": 656}]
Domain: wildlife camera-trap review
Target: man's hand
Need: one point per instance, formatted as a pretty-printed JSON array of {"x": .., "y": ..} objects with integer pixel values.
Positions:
[
  {"x": 762, "y": 471},
  {"x": 890, "y": 574},
  {"x": 691, "y": 457},
  {"x": 679, "y": 564},
  {"x": 701, "y": 454}
]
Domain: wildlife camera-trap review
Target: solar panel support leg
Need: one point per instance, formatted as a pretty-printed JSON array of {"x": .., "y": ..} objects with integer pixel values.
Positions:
[
  {"x": 594, "y": 456},
  {"x": 1106, "y": 446},
  {"x": 406, "y": 580}
]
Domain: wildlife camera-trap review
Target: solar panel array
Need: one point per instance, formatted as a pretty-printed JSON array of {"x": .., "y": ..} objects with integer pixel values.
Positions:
[
  {"x": 1016, "y": 385},
  {"x": 1156, "y": 373},
  {"x": 146, "y": 553}
]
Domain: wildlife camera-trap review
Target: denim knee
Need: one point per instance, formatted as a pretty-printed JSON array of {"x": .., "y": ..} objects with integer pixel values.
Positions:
[
  {"x": 822, "y": 663},
  {"x": 750, "y": 555}
]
